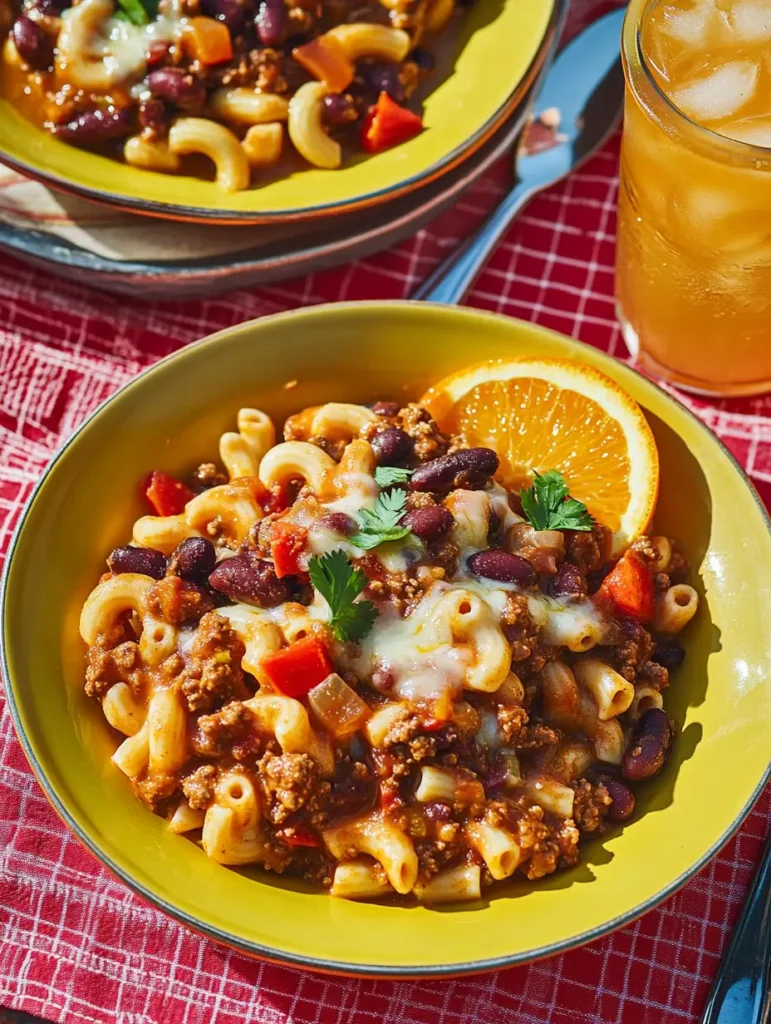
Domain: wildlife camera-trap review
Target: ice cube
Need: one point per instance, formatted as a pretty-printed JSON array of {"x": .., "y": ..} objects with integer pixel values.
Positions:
[
  {"x": 755, "y": 132},
  {"x": 687, "y": 26},
  {"x": 721, "y": 94},
  {"x": 750, "y": 22}
]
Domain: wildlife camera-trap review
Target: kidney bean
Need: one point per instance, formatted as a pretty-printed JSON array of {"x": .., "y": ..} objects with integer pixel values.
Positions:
[
  {"x": 632, "y": 630},
  {"x": 230, "y": 12},
  {"x": 567, "y": 581},
  {"x": 649, "y": 746},
  {"x": 340, "y": 523},
  {"x": 668, "y": 653},
  {"x": 251, "y": 579},
  {"x": 391, "y": 446},
  {"x": 339, "y": 109},
  {"x": 272, "y": 22},
  {"x": 437, "y": 812},
  {"x": 194, "y": 559},
  {"x": 465, "y": 468},
  {"x": 176, "y": 86},
  {"x": 383, "y": 78},
  {"x": 622, "y": 797},
  {"x": 95, "y": 126},
  {"x": 33, "y": 44},
  {"x": 152, "y": 114},
  {"x": 145, "y": 561},
  {"x": 494, "y": 564},
  {"x": 425, "y": 60},
  {"x": 389, "y": 409},
  {"x": 429, "y": 523}
]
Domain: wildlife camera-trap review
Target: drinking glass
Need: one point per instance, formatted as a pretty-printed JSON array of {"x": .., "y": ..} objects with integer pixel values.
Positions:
[{"x": 693, "y": 272}]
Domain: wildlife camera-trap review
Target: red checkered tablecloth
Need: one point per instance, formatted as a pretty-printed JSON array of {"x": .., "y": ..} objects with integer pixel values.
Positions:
[{"x": 75, "y": 945}]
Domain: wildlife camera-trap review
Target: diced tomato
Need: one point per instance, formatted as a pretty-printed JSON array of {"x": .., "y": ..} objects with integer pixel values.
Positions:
[
  {"x": 629, "y": 587},
  {"x": 388, "y": 798},
  {"x": 298, "y": 836},
  {"x": 325, "y": 59},
  {"x": 274, "y": 501},
  {"x": 432, "y": 724},
  {"x": 167, "y": 495},
  {"x": 387, "y": 124},
  {"x": 208, "y": 41},
  {"x": 287, "y": 543},
  {"x": 296, "y": 669}
]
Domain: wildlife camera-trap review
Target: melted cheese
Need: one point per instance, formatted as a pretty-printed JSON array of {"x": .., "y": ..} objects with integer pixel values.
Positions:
[
  {"x": 414, "y": 658},
  {"x": 123, "y": 46}
]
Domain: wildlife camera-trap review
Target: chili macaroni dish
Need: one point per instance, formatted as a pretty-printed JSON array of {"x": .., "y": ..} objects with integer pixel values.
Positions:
[
  {"x": 350, "y": 657},
  {"x": 158, "y": 80}
]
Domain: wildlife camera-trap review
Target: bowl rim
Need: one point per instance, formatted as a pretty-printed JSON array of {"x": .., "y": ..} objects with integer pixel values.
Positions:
[
  {"x": 204, "y": 214},
  {"x": 321, "y": 964}
]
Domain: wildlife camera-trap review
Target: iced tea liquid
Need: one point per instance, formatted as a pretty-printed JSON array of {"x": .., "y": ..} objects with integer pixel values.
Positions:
[{"x": 694, "y": 215}]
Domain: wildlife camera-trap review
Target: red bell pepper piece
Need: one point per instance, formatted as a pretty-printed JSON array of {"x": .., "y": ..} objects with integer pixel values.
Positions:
[
  {"x": 167, "y": 495},
  {"x": 629, "y": 587},
  {"x": 287, "y": 543},
  {"x": 296, "y": 669},
  {"x": 387, "y": 124},
  {"x": 298, "y": 836}
]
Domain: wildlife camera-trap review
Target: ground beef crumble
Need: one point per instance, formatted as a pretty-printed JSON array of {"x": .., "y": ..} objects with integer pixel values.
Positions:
[
  {"x": 156, "y": 789},
  {"x": 633, "y": 650},
  {"x": 214, "y": 733},
  {"x": 213, "y": 672},
  {"x": 291, "y": 782},
  {"x": 590, "y": 805},
  {"x": 545, "y": 847},
  {"x": 175, "y": 601},
  {"x": 522, "y": 632},
  {"x": 428, "y": 440},
  {"x": 588, "y": 549},
  {"x": 198, "y": 787},
  {"x": 106, "y": 667}
]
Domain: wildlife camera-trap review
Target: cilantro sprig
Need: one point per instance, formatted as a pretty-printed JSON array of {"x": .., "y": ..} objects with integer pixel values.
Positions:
[
  {"x": 391, "y": 476},
  {"x": 339, "y": 583},
  {"x": 547, "y": 506},
  {"x": 138, "y": 12},
  {"x": 382, "y": 523}
]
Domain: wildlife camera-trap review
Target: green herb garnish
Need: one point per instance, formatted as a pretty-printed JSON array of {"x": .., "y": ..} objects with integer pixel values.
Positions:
[
  {"x": 545, "y": 506},
  {"x": 390, "y": 476},
  {"x": 138, "y": 12},
  {"x": 381, "y": 524},
  {"x": 339, "y": 583}
]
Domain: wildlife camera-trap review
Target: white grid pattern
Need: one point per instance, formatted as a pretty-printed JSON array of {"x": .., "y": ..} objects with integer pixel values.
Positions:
[{"x": 75, "y": 946}]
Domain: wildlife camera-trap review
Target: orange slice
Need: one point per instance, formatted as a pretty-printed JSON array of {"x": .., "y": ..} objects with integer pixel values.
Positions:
[{"x": 541, "y": 414}]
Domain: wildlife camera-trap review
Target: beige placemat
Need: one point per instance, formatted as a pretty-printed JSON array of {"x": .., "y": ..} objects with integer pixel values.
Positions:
[{"x": 114, "y": 235}]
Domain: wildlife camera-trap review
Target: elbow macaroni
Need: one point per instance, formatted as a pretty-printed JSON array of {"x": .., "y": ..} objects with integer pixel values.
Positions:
[
  {"x": 230, "y": 724},
  {"x": 306, "y": 130},
  {"x": 218, "y": 143}
]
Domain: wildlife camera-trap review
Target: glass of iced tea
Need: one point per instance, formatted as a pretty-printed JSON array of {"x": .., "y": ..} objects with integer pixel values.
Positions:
[{"x": 694, "y": 217}]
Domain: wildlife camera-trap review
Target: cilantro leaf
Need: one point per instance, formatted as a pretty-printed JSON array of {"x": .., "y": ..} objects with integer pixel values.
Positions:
[
  {"x": 547, "y": 506},
  {"x": 138, "y": 12},
  {"x": 381, "y": 524},
  {"x": 339, "y": 583},
  {"x": 390, "y": 476}
]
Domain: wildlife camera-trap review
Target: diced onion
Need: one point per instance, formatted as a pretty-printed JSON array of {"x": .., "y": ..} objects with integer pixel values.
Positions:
[{"x": 339, "y": 708}]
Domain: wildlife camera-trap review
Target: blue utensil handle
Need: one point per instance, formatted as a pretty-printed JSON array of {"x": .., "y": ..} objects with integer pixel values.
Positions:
[
  {"x": 740, "y": 993},
  {"x": 451, "y": 280}
]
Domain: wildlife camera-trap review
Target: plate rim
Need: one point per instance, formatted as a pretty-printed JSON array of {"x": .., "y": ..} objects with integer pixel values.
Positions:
[
  {"x": 321, "y": 964},
  {"x": 204, "y": 215}
]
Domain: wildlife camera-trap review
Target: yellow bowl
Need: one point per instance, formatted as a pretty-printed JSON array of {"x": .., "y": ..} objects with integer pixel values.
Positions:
[
  {"x": 492, "y": 53},
  {"x": 171, "y": 417}
]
